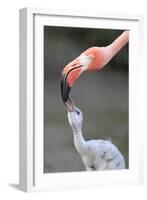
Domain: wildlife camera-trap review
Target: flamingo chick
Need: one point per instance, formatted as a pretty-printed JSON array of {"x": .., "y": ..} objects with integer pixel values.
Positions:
[
  {"x": 91, "y": 59},
  {"x": 95, "y": 154}
]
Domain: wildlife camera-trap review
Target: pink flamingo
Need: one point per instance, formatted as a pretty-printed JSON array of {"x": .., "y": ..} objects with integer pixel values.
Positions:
[{"x": 92, "y": 59}]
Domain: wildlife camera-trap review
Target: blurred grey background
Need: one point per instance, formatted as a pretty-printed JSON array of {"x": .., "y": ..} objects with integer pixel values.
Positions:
[{"x": 102, "y": 96}]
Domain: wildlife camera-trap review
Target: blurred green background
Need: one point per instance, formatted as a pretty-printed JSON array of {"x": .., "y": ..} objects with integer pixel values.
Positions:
[{"x": 102, "y": 96}]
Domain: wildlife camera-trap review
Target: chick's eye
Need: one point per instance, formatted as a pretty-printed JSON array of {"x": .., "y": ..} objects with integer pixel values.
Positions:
[{"x": 78, "y": 112}]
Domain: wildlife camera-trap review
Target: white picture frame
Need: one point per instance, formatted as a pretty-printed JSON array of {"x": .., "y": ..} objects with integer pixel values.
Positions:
[{"x": 31, "y": 175}]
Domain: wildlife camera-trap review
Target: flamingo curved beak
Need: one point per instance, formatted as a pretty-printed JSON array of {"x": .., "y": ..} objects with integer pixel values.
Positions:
[
  {"x": 71, "y": 73},
  {"x": 65, "y": 87}
]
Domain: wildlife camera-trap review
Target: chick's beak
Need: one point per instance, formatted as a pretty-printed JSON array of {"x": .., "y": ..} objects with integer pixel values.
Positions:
[
  {"x": 70, "y": 106},
  {"x": 70, "y": 74}
]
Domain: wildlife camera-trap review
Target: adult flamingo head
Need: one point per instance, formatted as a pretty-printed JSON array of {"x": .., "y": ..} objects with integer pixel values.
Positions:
[{"x": 92, "y": 59}]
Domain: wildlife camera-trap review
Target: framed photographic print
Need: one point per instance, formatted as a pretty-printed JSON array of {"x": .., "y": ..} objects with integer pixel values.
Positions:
[{"x": 79, "y": 108}]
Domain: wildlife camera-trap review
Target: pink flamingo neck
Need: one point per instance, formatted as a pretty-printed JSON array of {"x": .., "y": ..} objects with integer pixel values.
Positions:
[{"x": 121, "y": 41}]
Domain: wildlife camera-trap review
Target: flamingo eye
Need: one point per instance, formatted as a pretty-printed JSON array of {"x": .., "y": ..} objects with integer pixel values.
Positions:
[{"x": 78, "y": 112}]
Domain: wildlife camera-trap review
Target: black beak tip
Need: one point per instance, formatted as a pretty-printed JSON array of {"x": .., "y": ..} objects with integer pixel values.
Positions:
[{"x": 65, "y": 88}]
